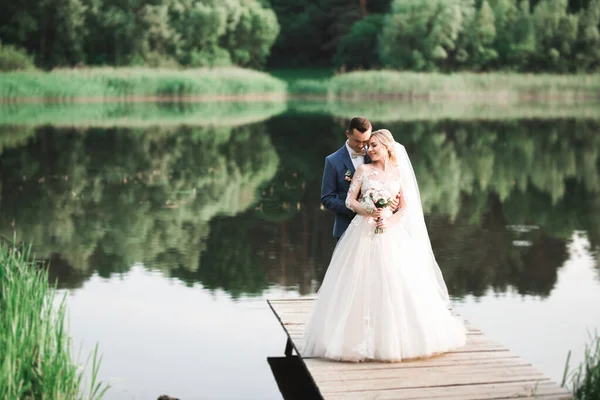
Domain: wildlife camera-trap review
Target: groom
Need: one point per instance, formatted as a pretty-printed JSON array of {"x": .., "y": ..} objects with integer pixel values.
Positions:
[{"x": 339, "y": 169}]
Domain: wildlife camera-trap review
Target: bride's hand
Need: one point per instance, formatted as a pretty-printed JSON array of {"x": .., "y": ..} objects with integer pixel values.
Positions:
[
  {"x": 382, "y": 222},
  {"x": 378, "y": 213}
]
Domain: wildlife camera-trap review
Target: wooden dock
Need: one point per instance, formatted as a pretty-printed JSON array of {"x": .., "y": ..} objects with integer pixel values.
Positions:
[{"x": 483, "y": 369}]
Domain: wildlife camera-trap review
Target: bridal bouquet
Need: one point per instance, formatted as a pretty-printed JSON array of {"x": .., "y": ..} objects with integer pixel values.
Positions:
[{"x": 376, "y": 198}]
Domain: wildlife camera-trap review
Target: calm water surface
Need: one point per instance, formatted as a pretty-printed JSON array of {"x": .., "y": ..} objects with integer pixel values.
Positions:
[{"x": 168, "y": 239}]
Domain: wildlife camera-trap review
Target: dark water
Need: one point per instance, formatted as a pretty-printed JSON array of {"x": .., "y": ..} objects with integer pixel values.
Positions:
[{"x": 169, "y": 239}]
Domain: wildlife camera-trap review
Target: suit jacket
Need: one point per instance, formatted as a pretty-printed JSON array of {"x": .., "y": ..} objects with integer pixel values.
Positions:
[{"x": 334, "y": 188}]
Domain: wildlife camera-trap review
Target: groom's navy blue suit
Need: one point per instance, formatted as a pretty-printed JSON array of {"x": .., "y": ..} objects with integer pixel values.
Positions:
[{"x": 334, "y": 188}]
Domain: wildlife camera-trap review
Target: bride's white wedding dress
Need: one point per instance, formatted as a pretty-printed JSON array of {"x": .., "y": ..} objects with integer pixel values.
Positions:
[{"x": 383, "y": 297}]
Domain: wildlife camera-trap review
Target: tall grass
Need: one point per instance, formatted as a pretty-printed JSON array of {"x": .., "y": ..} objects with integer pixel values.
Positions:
[
  {"x": 135, "y": 83},
  {"x": 464, "y": 86},
  {"x": 585, "y": 379},
  {"x": 305, "y": 82},
  {"x": 35, "y": 349},
  {"x": 295, "y": 74}
]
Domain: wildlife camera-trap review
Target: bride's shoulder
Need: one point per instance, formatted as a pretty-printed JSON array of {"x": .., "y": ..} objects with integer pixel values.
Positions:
[{"x": 364, "y": 169}]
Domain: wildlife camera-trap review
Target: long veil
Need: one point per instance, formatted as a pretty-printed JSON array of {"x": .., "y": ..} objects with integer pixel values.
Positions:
[{"x": 414, "y": 220}]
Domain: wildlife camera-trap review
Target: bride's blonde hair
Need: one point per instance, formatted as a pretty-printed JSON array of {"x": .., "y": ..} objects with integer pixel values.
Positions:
[{"x": 385, "y": 138}]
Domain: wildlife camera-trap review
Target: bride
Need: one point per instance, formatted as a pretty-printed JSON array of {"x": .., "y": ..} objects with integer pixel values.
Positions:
[{"x": 383, "y": 296}]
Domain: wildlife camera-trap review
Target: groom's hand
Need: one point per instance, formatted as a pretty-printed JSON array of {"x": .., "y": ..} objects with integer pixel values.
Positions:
[{"x": 398, "y": 202}]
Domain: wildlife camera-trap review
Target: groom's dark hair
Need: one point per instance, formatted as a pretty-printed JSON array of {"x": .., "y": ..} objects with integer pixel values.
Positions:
[{"x": 361, "y": 124}]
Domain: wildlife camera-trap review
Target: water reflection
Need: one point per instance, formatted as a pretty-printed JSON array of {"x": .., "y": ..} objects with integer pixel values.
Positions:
[
  {"x": 139, "y": 114},
  {"x": 102, "y": 199},
  {"x": 237, "y": 208}
]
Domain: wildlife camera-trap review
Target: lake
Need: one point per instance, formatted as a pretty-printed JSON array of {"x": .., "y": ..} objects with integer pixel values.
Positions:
[{"x": 168, "y": 226}]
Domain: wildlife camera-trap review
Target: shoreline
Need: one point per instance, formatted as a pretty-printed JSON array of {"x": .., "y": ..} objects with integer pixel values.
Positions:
[{"x": 139, "y": 85}]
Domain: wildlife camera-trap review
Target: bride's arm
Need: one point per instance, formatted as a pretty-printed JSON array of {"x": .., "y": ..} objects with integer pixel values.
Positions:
[{"x": 351, "y": 202}]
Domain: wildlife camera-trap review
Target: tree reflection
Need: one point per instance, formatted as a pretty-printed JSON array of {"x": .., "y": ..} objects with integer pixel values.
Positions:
[
  {"x": 478, "y": 179},
  {"x": 237, "y": 209},
  {"x": 104, "y": 199}
]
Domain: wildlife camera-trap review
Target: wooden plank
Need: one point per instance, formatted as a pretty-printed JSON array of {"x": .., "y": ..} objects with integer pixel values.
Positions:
[
  {"x": 434, "y": 372},
  {"x": 412, "y": 381},
  {"x": 282, "y": 322},
  {"x": 295, "y": 300},
  {"x": 473, "y": 392},
  {"x": 318, "y": 365},
  {"x": 448, "y": 358},
  {"x": 481, "y": 370}
]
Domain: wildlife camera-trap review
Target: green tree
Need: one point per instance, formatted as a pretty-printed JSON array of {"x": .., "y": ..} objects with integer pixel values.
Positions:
[
  {"x": 419, "y": 35},
  {"x": 312, "y": 31},
  {"x": 119, "y": 30},
  {"x": 358, "y": 49},
  {"x": 139, "y": 32},
  {"x": 484, "y": 36},
  {"x": 161, "y": 41},
  {"x": 588, "y": 38},
  {"x": 524, "y": 41},
  {"x": 556, "y": 34},
  {"x": 462, "y": 56},
  {"x": 223, "y": 32},
  {"x": 13, "y": 58},
  {"x": 51, "y": 30},
  {"x": 505, "y": 15},
  {"x": 251, "y": 39},
  {"x": 200, "y": 27},
  {"x": 303, "y": 30}
]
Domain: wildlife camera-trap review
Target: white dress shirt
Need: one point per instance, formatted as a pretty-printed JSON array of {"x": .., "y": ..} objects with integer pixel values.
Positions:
[{"x": 359, "y": 160}]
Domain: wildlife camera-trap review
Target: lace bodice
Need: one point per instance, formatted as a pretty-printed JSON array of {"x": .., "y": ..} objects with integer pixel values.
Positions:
[{"x": 368, "y": 178}]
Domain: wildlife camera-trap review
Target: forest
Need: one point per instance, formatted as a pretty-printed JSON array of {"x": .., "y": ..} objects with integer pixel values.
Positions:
[{"x": 560, "y": 36}]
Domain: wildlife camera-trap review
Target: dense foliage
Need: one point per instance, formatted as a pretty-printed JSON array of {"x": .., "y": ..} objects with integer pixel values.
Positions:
[
  {"x": 440, "y": 35},
  {"x": 132, "y": 32},
  {"x": 435, "y": 35}
]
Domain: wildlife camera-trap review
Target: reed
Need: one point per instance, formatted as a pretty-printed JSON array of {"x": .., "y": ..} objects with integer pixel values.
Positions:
[
  {"x": 584, "y": 381},
  {"x": 464, "y": 86},
  {"x": 131, "y": 83},
  {"x": 137, "y": 83},
  {"x": 35, "y": 348}
]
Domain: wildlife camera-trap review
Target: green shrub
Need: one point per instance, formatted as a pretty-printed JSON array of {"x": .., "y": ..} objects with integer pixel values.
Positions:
[{"x": 13, "y": 58}]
